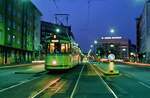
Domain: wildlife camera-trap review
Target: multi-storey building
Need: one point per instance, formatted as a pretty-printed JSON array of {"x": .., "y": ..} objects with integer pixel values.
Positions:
[
  {"x": 19, "y": 23},
  {"x": 116, "y": 45},
  {"x": 143, "y": 34}
]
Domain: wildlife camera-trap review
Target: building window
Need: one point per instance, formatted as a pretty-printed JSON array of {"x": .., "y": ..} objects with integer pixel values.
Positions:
[
  {"x": 18, "y": 42},
  {"x": 9, "y": 8},
  {"x": 9, "y": 23},
  {"x": 1, "y": 18},
  {"x": 19, "y": 15},
  {"x": 14, "y": 24},
  {"x": 14, "y": 13},
  {"x": 9, "y": 38}
]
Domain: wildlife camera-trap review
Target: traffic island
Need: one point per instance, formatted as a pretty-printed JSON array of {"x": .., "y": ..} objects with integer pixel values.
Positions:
[{"x": 108, "y": 69}]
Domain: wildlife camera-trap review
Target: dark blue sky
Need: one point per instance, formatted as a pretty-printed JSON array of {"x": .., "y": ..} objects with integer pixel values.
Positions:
[{"x": 104, "y": 14}]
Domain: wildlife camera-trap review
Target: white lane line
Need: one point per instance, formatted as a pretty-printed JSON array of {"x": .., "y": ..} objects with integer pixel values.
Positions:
[
  {"x": 75, "y": 87},
  {"x": 144, "y": 85},
  {"x": 5, "y": 89},
  {"x": 46, "y": 87},
  {"x": 105, "y": 82}
]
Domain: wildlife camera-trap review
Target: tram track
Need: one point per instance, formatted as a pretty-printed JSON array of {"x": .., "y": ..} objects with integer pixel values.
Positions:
[
  {"x": 98, "y": 72},
  {"x": 77, "y": 82},
  {"x": 66, "y": 85},
  {"x": 16, "y": 85},
  {"x": 51, "y": 83},
  {"x": 28, "y": 90}
]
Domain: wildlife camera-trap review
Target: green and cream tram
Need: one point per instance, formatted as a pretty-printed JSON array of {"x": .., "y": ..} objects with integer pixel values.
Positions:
[{"x": 62, "y": 53}]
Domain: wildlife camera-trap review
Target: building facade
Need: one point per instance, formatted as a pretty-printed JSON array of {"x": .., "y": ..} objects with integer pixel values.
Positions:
[
  {"x": 18, "y": 25},
  {"x": 115, "y": 45},
  {"x": 143, "y": 34}
]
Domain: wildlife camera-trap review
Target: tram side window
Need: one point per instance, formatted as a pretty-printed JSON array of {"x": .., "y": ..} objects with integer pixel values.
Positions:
[
  {"x": 58, "y": 48},
  {"x": 65, "y": 48},
  {"x": 51, "y": 48}
]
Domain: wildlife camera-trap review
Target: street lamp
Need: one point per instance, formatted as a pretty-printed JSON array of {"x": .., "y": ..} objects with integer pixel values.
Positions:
[
  {"x": 111, "y": 45},
  {"x": 57, "y": 30},
  {"x": 112, "y": 30},
  {"x": 95, "y": 42},
  {"x": 124, "y": 49},
  {"x": 91, "y": 46}
]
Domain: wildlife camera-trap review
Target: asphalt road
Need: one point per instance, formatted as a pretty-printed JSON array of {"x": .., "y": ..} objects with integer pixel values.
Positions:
[
  {"x": 133, "y": 81},
  {"x": 83, "y": 81}
]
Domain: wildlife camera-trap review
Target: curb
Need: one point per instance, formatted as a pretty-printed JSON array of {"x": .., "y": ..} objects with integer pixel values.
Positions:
[
  {"x": 18, "y": 65},
  {"x": 106, "y": 72},
  {"x": 134, "y": 64}
]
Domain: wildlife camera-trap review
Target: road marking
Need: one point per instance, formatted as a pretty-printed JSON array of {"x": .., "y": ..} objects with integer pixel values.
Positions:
[
  {"x": 144, "y": 85},
  {"x": 75, "y": 87},
  {"x": 5, "y": 89},
  {"x": 105, "y": 82},
  {"x": 46, "y": 87}
]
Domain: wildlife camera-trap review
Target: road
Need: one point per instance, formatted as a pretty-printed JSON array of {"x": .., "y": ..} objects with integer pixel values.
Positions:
[
  {"x": 83, "y": 81},
  {"x": 32, "y": 81},
  {"x": 133, "y": 81}
]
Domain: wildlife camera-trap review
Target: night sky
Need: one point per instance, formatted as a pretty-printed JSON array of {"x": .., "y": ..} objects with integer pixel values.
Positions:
[{"x": 104, "y": 15}]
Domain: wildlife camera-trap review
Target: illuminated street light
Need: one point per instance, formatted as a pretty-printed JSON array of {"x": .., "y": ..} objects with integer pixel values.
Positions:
[
  {"x": 112, "y": 30},
  {"x": 95, "y": 42},
  {"x": 131, "y": 53},
  {"x": 57, "y": 30},
  {"x": 124, "y": 49},
  {"x": 111, "y": 45},
  {"x": 91, "y": 46}
]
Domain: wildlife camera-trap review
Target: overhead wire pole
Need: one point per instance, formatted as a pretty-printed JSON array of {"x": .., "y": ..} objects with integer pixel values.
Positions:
[
  {"x": 56, "y": 6},
  {"x": 88, "y": 18},
  {"x": 89, "y": 13},
  {"x": 58, "y": 16},
  {"x": 54, "y": 1},
  {"x": 89, "y": 2}
]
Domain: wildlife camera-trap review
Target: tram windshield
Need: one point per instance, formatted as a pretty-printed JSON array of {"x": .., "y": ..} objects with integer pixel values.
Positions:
[{"x": 58, "y": 48}]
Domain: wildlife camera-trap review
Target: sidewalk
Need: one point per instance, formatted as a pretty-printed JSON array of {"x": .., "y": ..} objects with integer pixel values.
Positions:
[
  {"x": 20, "y": 64},
  {"x": 14, "y": 65}
]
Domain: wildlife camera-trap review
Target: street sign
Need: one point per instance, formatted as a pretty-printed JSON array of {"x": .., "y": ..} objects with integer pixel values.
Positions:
[{"x": 111, "y": 57}]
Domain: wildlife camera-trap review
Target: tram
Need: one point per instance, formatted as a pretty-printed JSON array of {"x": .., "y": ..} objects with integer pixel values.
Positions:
[{"x": 62, "y": 53}]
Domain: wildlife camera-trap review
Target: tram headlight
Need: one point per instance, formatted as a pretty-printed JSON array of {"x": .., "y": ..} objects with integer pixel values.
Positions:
[{"x": 54, "y": 62}]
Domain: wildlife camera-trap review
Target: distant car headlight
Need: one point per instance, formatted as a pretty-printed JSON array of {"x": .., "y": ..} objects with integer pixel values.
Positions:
[{"x": 54, "y": 62}]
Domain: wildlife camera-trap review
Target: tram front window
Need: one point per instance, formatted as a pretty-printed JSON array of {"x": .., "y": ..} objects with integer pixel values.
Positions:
[{"x": 58, "y": 48}]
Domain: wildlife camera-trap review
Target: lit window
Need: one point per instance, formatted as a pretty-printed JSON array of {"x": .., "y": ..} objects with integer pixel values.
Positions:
[
  {"x": 51, "y": 48},
  {"x": 14, "y": 36},
  {"x": 63, "y": 48},
  {"x": 55, "y": 36},
  {"x": 67, "y": 47}
]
